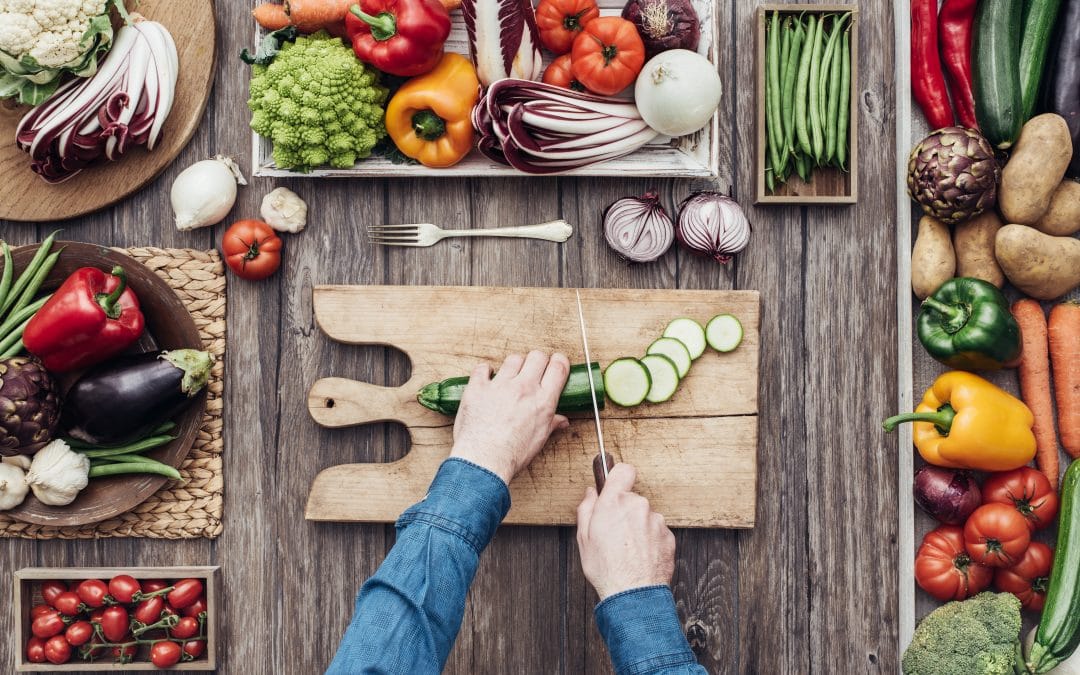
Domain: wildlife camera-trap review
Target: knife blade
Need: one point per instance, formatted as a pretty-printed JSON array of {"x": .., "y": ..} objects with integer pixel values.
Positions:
[{"x": 603, "y": 462}]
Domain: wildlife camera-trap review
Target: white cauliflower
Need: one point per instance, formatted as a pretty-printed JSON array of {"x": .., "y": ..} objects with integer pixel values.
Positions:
[{"x": 50, "y": 31}]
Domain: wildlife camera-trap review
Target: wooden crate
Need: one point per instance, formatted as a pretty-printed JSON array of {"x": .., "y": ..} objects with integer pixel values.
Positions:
[
  {"x": 26, "y": 593},
  {"x": 696, "y": 155},
  {"x": 826, "y": 186}
]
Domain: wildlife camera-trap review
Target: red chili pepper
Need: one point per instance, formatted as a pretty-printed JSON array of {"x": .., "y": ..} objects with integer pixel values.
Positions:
[
  {"x": 92, "y": 316},
  {"x": 927, "y": 77},
  {"x": 400, "y": 37},
  {"x": 955, "y": 28}
]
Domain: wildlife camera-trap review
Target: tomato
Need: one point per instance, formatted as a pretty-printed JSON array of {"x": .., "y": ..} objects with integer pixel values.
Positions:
[
  {"x": 123, "y": 588},
  {"x": 560, "y": 74},
  {"x": 608, "y": 55},
  {"x": 184, "y": 593},
  {"x": 944, "y": 569},
  {"x": 1028, "y": 491},
  {"x": 57, "y": 650},
  {"x": 51, "y": 589},
  {"x": 47, "y": 625},
  {"x": 114, "y": 623},
  {"x": 95, "y": 616},
  {"x": 124, "y": 654},
  {"x": 996, "y": 535},
  {"x": 35, "y": 650},
  {"x": 41, "y": 609},
  {"x": 195, "y": 609},
  {"x": 560, "y": 21},
  {"x": 149, "y": 611},
  {"x": 1029, "y": 577},
  {"x": 92, "y": 592},
  {"x": 188, "y": 627},
  {"x": 252, "y": 249},
  {"x": 153, "y": 586},
  {"x": 195, "y": 648},
  {"x": 79, "y": 633},
  {"x": 165, "y": 654},
  {"x": 67, "y": 603}
]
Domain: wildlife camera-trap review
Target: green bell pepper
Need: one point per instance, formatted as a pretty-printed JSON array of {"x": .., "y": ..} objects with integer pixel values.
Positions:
[{"x": 966, "y": 324}]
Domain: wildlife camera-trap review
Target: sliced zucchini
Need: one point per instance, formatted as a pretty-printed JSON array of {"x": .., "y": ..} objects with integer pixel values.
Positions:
[
  {"x": 690, "y": 333},
  {"x": 723, "y": 332},
  {"x": 674, "y": 350},
  {"x": 664, "y": 375},
  {"x": 627, "y": 382}
]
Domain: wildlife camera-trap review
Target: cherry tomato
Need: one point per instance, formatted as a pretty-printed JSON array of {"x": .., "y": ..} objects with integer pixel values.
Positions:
[
  {"x": 185, "y": 592},
  {"x": 35, "y": 650},
  {"x": 560, "y": 21},
  {"x": 195, "y": 609},
  {"x": 95, "y": 616},
  {"x": 188, "y": 627},
  {"x": 79, "y": 633},
  {"x": 47, "y": 625},
  {"x": 165, "y": 654},
  {"x": 560, "y": 74},
  {"x": 124, "y": 587},
  {"x": 51, "y": 589},
  {"x": 114, "y": 623},
  {"x": 124, "y": 654},
  {"x": 149, "y": 610},
  {"x": 41, "y": 609},
  {"x": 996, "y": 535},
  {"x": 67, "y": 603},
  {"x": 252, "y": 249},
  {"x": 1030, "y": 577},
  {"x": 57, "y": 650},
  {"x": 92, "y": 592},
  {"x": 944, "y": 569},
  {"x": 153, "y": 585},
  {"x": 195, "y": 648},
  {"x": 1026, "y": 490}
]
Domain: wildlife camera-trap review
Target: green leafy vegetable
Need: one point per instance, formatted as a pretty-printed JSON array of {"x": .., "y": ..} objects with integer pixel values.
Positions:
[{"x": 978, "y": 636}]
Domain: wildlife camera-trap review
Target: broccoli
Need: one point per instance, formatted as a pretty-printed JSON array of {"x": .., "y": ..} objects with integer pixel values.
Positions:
[
  {"x": 318, "y": 103},
  {"x": 978, "y": 636}
]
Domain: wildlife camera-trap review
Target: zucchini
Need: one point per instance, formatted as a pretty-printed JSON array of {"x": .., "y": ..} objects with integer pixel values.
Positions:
[
  {"x": 690, "y": 333},
  {"x": 723, "y": 333},
  {"x": 1038, "y": 30},
  {"x": 627, "y": 382},
  {"x": 995, "y": 71},
  {"x": 445, "y": 397},
  {"x": 663, "y": 376},
  {"x": 1059, "y": 630},
  {"x": 674, "y": 350}
]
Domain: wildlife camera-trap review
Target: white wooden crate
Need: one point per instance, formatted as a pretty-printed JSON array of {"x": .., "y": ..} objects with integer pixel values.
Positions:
[{"x": 696, "y": 155}]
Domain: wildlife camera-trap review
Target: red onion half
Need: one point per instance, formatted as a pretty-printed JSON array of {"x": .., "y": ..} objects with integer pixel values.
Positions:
[
  {"x": 712, "y": 224},
  {"x": 638, "y": 228},
  {"x": 947, "y": 495}
]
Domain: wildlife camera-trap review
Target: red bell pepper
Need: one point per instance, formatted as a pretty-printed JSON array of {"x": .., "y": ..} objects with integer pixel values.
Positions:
[
  {"x": 400, "y": 37},
  {"x": 927, "y": 77},
  {"x": 91, "y": 317},
  {"x": 956, "y": 23}
]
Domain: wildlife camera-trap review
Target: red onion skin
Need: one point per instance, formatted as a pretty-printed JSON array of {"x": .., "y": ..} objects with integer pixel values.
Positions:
[
  {"x": 720, "y": 256},
  {"x": 684, "y": 31},
  {"x": 650, "y": 201},
  {"x": 948, "y": 495}
]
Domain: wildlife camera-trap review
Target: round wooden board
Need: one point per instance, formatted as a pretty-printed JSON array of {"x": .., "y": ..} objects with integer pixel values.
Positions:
[
  {"x": 27, "y": 197},
  {"x": 168, "y": 326}
]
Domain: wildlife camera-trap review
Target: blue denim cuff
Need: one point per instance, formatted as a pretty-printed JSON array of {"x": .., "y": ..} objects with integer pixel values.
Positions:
[
  {"x": 642, "y": 631},
  {"x": 465, "y": 500}
]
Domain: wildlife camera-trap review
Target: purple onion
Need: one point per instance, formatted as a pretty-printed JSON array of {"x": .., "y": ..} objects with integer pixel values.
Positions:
[
  {"x": 638, "y": 228},
  {"x": 664, "y": 24},
  {"x": 712, "y": 224},
  {"x": 947, "y": 495}
]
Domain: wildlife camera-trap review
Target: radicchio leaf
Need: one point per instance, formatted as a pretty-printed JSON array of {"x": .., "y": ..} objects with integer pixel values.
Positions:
[{"x": 503, "y": 39}]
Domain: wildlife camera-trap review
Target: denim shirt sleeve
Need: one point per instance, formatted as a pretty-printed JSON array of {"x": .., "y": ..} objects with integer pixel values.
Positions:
[
  {"x": 409, "y": 612},
  {"x": 643, "y": 633}
]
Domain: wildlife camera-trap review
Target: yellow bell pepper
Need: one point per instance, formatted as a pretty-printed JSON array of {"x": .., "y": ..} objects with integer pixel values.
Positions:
[
  {"x": 430, "y": 117},
  {"x": 965, "y": 422}
]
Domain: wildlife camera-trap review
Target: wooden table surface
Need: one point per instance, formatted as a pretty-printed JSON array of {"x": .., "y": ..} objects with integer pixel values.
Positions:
[{"x": 812, "y": 589}]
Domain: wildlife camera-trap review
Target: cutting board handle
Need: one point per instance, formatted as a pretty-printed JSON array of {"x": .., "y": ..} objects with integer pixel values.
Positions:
[{"x": 339, "y": 402}]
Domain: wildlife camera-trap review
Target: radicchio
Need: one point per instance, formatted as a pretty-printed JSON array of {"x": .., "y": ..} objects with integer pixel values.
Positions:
[{"x": 503, "y": 39}]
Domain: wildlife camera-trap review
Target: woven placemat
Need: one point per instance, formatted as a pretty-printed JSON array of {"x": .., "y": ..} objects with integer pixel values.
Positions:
[{"x": 193, "y": 508}]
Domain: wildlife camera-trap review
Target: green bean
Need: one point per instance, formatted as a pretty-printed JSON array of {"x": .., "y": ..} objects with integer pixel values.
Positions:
[
  {"x": 9, "y": 272},
  {"x": 832, "y": 118},
  {"x": 15, "y": 349},
  {"x": 772, "y": 89},
  {"x": 164, "y": 428},
  {"x": 785, "y": 47},
  {"x": 28, "y": 273},
  {"x": 770, "y": 179},
  {"x": 843, "y": 114},
  {"x": 131, "y": 449},
  {"x": 787, "y": 93},
  {"x": 830, "y": 82},
  {"x": 7, "y": 342},
  {"x": 104, "y": 470},
  {"x": 801, "y": 92},
  {"x": 15, "y": 318},
  {"x": 35, "y": 284},
  {"x": 817, "y": 141},
  {"x": 802, "y": 167}
]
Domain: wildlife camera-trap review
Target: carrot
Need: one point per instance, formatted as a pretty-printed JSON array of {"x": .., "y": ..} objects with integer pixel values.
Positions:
[
  {"x": 1035, "y": 383},
  {"x": 271, "y": 16},
  {"x": 310, "y": 16},
  {"x": 451, "y": 5},
  {"x": 1064, "y": 338}
]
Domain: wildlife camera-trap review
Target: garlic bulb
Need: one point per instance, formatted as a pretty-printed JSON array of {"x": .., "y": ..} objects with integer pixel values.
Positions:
[
  {"x": 21, "y": 461},
  {"x": 57, "y": 474},
  {"x": 204, "y": 193},
  {"x": 284, "y": 211},
  {"x": 13, "y": 487}
]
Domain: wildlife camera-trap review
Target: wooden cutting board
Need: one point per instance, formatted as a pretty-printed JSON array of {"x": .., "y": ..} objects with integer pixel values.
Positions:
[{"x": 696, "y": 454}]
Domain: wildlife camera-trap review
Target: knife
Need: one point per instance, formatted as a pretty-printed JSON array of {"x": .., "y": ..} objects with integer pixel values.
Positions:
[{"x": 603, "y": 462}]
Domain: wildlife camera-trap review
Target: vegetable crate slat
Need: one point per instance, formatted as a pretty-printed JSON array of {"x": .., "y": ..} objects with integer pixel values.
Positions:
[
  {"x": 695, "y": 155},
  {"x": 26, "y": 593}
]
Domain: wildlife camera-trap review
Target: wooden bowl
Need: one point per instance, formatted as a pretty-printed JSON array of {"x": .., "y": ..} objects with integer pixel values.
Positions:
[{"x": 168, "y": 326}]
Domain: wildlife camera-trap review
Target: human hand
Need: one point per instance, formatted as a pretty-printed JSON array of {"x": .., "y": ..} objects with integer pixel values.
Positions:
[
  {"x": 624, "y": 544},
  {"x": 503, "y": 422}
]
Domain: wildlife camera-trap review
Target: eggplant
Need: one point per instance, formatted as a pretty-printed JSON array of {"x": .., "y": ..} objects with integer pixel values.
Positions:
[
  {"x": 1063, "y": 92},
  {"x": 125, "y": 399}
]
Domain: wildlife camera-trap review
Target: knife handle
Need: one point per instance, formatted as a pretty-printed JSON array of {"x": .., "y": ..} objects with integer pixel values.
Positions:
[{"x": 598, "y": 470}]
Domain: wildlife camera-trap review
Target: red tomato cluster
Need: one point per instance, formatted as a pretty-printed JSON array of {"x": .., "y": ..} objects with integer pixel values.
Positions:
[
  {"x": 994, "y": 545},
  {"x": 603, "y": 55},
  {"x": 91, "y": 619}
]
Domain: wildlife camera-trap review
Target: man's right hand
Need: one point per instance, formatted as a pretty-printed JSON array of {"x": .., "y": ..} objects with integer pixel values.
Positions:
[{"x": 624, "y": 544}]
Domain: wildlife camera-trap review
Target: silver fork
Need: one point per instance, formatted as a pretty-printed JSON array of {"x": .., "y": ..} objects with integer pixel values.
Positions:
[{"x": 426, "y": 234}]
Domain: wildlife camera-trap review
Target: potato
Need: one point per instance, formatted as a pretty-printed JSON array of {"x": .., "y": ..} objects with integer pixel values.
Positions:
[
  {"x": 973, "y": 240},
  {"x": 1062, "y": 217},
  {"x": 1035, "y": 169},
  {"x": 932, "y": 259},
  {"x": 1040, "y": 265}
]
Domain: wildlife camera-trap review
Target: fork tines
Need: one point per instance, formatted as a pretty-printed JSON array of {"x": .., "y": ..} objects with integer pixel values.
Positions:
[{"x": 394, "y": 235}]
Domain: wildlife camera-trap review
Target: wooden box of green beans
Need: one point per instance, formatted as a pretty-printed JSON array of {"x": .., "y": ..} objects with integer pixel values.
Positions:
[{"x": 807, "y": 65}]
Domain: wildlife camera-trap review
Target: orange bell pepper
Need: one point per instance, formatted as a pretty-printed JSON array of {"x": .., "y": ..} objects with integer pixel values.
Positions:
[{"x": 430, "y": 117}]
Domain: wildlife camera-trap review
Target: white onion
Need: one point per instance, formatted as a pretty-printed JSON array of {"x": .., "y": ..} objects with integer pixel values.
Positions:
[
  {"x": 638, "y": 228},
  {"x": 204, "y": 193},
  {"x": 712, "y": 224},
  {"x": 677, "y": 92}
]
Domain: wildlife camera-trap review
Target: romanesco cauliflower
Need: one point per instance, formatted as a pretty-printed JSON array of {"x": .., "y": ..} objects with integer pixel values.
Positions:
[{"x": 318, "y": 103}]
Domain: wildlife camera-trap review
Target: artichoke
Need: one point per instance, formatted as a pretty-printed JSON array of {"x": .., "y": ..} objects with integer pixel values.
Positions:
[
  {"x": 953, "y": 174},
  {"x": 29, "y": 406}
]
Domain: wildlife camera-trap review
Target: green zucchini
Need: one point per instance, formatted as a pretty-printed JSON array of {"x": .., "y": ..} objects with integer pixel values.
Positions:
[
  {"x": 1058, "y": 635},
  {"x": 445, "y": 397},
  {"x": 627, "y": 381},
  {"x": 1038, "y": 32},
  {"x": 995, "y": 70},
  {"x": 663, "y": 377}
]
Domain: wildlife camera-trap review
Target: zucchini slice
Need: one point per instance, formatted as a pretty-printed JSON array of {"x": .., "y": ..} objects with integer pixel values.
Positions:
[
  {"x": 690, "y": 333},
  {"x": 627, "y": 382},
  {"x": 723, "y": 332},
  {"x": 664, "y": 375},
  {"x": 674, "y": 350}
]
